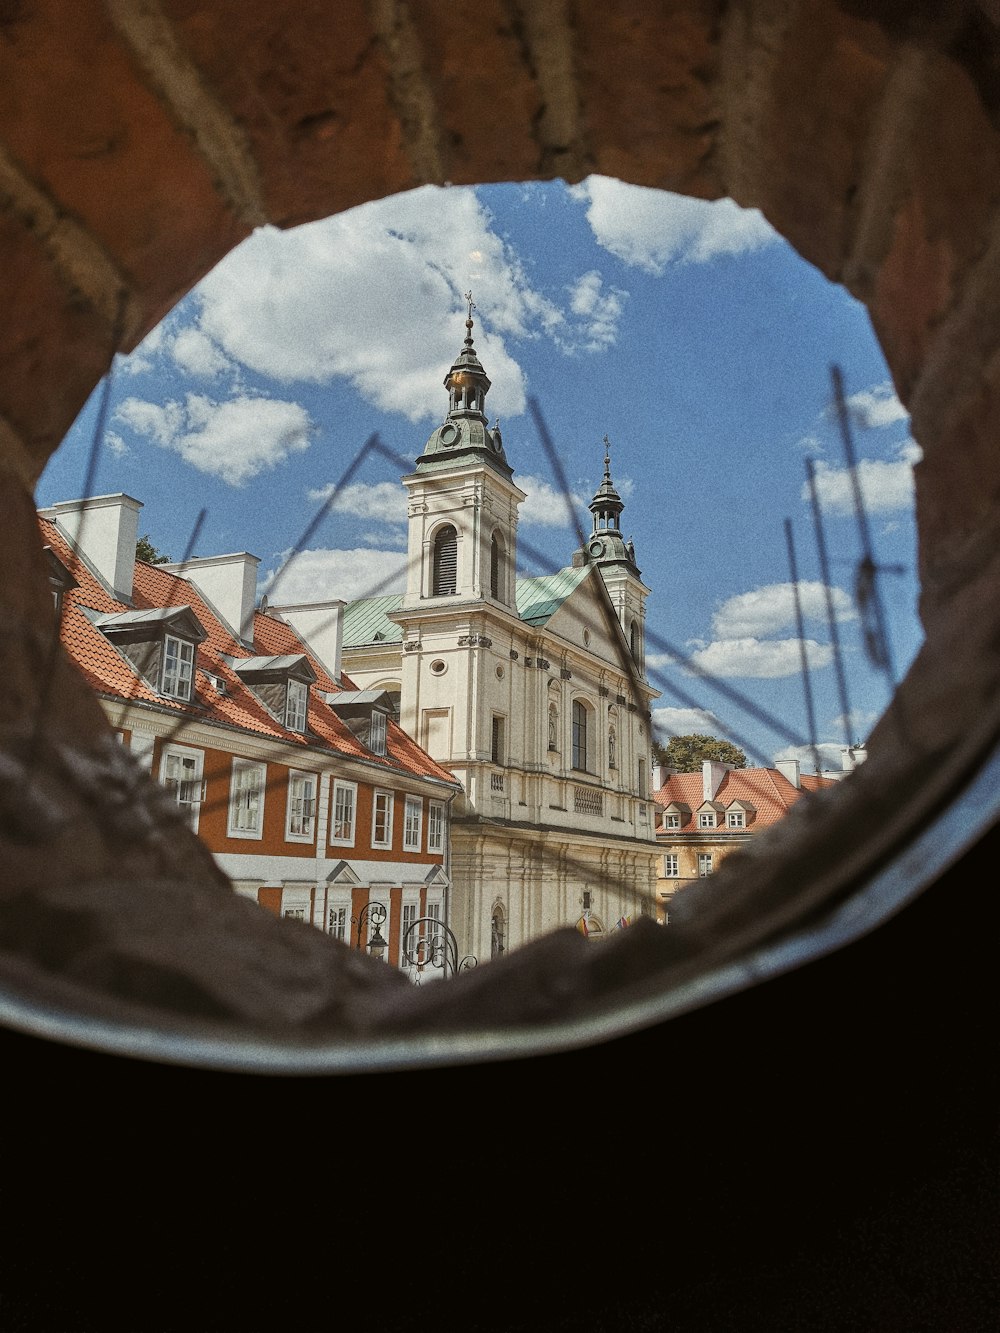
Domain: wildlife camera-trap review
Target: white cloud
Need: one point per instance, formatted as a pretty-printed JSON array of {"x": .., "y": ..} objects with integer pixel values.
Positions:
[
  {"x": 830, "y": 756},
  {"x": 196, "y": 353},
  {"x": 877, "y": 406},
  {"x": 546, "y": 506},
  {"x": 383, "y": 501},
  {"x": 759, "y": 659},
  {"x": 141, "y": 358},
  {"x": 860, "y": 723},
  {"x": 374, "y": 295},
  {"x": 115, "y": 444},
  {"x": 771, "y": 609},
  {"x": 321, "y": 575},
  {"x": 686, "y": 722},
  {"x": 886, "y": 487},
  {"x": 651, "y": 229},
  {"x": 597, "y": 311},
  {"x": 234, "y": 440}
]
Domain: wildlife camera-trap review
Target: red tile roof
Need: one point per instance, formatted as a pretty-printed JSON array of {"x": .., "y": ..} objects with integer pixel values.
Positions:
[
  {"x": 766, "y": 789},
  {"x": 109, "y": 673}
]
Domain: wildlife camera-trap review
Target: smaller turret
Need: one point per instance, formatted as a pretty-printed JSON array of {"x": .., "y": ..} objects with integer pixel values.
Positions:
[{"x": 606, "y": 545}]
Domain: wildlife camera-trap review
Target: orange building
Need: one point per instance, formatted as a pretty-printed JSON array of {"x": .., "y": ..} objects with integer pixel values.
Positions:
[
  {"x": 703, "y": 817},
  {"x": 307, "y": 792}
]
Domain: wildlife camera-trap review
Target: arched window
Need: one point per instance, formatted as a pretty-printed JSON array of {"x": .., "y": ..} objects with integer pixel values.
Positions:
[
  {"x": 496, "y": 568},
  {"x": 581, "y": 736},
  {"x": 445, "y": 562},
  {"x": 633, "y": 640}
]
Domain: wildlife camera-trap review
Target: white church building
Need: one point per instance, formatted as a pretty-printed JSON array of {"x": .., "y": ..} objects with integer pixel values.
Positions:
[{"x": 531, "y": 690}]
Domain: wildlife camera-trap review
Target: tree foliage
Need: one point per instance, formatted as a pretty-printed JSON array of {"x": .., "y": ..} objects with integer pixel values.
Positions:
[
  {"x": 145, "y": 550},
  {"x": 687, "y": 753}
]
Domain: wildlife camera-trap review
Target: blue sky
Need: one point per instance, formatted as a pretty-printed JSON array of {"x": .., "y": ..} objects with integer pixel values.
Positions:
[{"x": 688, "y": 332}]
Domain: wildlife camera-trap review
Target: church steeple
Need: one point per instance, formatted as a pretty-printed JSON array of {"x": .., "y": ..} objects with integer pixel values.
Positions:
[
  {"x": 464, "y": 436},
  {"x": 606, "y": 545}
]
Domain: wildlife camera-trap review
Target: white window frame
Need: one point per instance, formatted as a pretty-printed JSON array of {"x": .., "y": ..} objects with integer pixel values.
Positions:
[
  {"x": 671, "y": 866},
  {"x": 298, "y": 779},
  {"x": 671, "y": 821},
  {"x": 235, "y": 791},
  {"x": 413, "y": 824},
  {"x": 736, "y": 819},
  {"x": 178, "y": 682},
  {"x": 410, "y": 913},
  {"x": 377, "y": 732},
  {"x": 706, "y": 819},
  {"x": 436, "y": 817},
  {"x": 296, "y": 903},
  {"x": 296, "y": 705},
  {"x": 348, "y": 787},
  {"x": 706, "y": 864},
  {"x": 339, "y": 903},
  {"x": 382, "y": 792},
  {"x": 182, "y": 789}
]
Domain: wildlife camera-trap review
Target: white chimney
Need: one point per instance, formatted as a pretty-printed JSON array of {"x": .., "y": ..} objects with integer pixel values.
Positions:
[
  {"x": 321, "y": 626},
  {"x": 851, "y": 756},
  {"x": 789, "y": 768},
  {"x": 659, "y": 776},
  {"x": 104, "y": 529},
  {"x": 229, "y": 583},
  {"x": 712, "y": 773}
]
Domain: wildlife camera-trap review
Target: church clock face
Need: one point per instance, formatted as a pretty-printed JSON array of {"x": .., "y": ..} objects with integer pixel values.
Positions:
[{"x": 597, "y": 548}]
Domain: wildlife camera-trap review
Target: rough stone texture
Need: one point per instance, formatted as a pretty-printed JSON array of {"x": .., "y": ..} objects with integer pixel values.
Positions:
[{"x": 140, "y": 141}]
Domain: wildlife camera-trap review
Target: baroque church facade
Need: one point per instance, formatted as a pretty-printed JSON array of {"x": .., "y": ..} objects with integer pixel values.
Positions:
[{"x": 532, "y": 691}]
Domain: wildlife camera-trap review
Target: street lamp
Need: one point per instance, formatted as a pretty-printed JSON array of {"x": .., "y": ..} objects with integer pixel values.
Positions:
[
  {"x": 428, "y": 942},
  {"x": 373, "y": 914}
]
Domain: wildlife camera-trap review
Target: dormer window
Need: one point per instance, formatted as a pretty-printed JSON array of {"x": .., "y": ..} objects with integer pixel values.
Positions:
[
  {"x": 281, "y": 683},
  {"x": 366, "y": 713},
  {"x": 706, "y": 819},
  {"x": 160, "y": 643},
  {"x": 671, "y": 821},
  {"x": 296, "y": 705},
  {"x": 178, "y": 667},
  {"x": 736, "y": 819}
]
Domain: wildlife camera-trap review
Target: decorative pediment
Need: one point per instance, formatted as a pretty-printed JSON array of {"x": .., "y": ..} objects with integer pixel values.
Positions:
[{"x": 343, "y": 874}]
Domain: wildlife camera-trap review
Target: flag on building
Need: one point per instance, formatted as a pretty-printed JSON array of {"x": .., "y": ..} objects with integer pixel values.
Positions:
[
  {"x": 582, "y": 926},
  {"x": 622, "y": 922}
]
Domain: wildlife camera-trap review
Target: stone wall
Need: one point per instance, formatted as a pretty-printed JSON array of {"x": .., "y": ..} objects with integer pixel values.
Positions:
[{"x": 140, "y": 141}]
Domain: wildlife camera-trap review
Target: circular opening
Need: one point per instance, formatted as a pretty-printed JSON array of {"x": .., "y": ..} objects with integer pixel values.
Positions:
[{"x": 438, "y": 667}]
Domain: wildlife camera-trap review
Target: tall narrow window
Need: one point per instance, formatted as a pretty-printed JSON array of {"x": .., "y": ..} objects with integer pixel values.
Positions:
[
  {"x": 435, "y": 827},
  {"x": 377, "y": 732},
  {"x": 344, "y": 806},
  {"x": 496, "y": 750},
  {"x": 580, "y": 735},
  {"x": 336, "y": 922},
  {"x": 296, "y": 705},
  {"x": 633, "y": 641},
  {"x": 445, "y": 562},
  {"x": 412, "y": 823},
  {"x": 300, "y": 818},
  {"x": 496, "y": 568},
  {"x": 180, "y": 773},
  {"x": 670, "y": 866},
  {"x": 246, "y": 799},
  {"x": 704, "y": 864},
  {"x": 382, "y": 819},
  {"x": 178, "y": 667}
]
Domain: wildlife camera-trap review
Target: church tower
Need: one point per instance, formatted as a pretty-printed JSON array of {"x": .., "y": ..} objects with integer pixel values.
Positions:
[
  {"x": 615, "y": 558},
  {"x": 462, "y": 500}
]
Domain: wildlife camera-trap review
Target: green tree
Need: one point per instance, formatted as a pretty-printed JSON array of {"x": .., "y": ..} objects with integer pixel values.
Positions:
[
  {"x": 686, "y": 753},
  {"x": 145, "y": 550}
]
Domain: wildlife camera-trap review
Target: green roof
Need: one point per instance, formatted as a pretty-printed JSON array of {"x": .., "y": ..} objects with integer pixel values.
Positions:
[
  {"x": 538, "y": 599},
  {"x": 365, "y": 620}
]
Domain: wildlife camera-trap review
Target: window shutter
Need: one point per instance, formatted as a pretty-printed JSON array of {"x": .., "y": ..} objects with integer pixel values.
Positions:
[{"x": 445, "y": 562}]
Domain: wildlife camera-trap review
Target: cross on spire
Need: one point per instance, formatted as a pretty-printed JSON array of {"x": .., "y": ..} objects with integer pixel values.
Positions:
[{"x": 607, "y": 457}]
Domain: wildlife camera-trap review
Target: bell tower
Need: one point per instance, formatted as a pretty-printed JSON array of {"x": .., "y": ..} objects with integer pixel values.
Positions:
[
  {"x": 462, "y": 500},
  {"x": 615, "y": 558}
]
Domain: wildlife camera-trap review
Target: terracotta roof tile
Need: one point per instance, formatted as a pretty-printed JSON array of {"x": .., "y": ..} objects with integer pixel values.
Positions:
[{"x": 109, "y": 673}]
